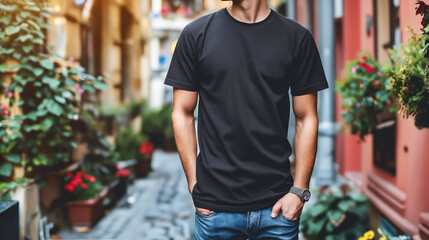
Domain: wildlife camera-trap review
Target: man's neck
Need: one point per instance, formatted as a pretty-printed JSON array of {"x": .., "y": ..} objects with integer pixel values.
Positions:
[{"x": 249, "y": 11}]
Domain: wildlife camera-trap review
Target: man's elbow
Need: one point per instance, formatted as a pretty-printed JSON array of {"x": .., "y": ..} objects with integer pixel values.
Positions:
[
  {"x": 180, "y": 115},
  {"x": 307, "y": 120}
]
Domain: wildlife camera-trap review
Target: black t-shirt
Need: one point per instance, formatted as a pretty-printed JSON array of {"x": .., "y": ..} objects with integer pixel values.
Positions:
[{"x": 243, "y": 72}]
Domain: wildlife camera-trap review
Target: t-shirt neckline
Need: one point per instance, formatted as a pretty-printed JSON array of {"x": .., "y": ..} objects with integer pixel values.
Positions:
[{"x": 270, "y": 15}]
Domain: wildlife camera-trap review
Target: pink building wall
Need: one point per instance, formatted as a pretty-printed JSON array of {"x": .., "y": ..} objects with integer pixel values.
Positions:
[{"x": 403, "y": 198}]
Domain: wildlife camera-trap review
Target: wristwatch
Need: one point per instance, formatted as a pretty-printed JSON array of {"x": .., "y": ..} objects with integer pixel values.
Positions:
[{"x": 304, "y": 194}]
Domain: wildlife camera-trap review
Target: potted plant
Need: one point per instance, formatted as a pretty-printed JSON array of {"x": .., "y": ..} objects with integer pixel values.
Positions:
[
  {"x": 120, "y": 189},
  {"x": 408, "y": 71},
  {"x": 117, "y": 188},
  {"x": 366, "y": 95},
  {"x": 131, "y": 145},
  {"x": 85, "y": 196},
  {"x": 144, "y": 159},
  {"x": 338, "y": 213},
  {"x": 153, "y": 125}
]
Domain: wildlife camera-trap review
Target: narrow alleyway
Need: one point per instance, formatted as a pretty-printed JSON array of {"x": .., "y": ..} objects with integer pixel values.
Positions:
[{"x": 158, "y": 207}]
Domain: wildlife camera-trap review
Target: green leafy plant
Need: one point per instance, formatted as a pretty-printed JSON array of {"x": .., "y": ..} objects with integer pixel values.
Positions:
[
  {"x": 82, "y": 186},
  {"x": 128, "y": 144},
  {"x": 165, "y": 118},
  {"x": 408, "y": 72},
  {"x": 339, "y": 213},
  {"x": 157, "y": 124},
  {"x": 7, "y": 187},
  {"x": 365, "y": 92},
  {"x": 40, "y": 84},
  {"x": 152, "y": 123},
  {"x": 9, "y": 136},
  {"x": 125, "y": 112}
]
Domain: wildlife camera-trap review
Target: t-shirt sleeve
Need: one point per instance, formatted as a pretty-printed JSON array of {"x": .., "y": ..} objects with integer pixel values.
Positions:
[
  {"x": 310, "y": 76},
  {"x": 182, "y": 72}
]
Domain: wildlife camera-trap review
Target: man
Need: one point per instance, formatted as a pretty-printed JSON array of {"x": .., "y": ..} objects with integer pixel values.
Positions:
[{"x": 241, "y": 61}]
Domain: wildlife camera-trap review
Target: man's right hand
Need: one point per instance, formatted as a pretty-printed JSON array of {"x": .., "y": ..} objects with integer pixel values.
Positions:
[{"x": 203, "y": 211}]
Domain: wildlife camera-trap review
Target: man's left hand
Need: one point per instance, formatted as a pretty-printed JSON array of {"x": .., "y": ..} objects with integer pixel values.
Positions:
[{"x": 290, "y": 205}]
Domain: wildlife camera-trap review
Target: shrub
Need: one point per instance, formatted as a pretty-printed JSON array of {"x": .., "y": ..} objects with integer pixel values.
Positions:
[
  {"x": 339, "y": 213},
  {"x": 365, "y": 92}
]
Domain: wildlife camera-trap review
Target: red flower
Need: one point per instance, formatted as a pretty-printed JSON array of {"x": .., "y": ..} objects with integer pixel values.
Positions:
[
  {"x": 69, "y": 187},
  {"x": 146, "y": 148},
  {"x": 77, "y": 180},
  {"x": 364, "y": 58},
  {"x": 369, "y": 69},
  {"x": 69, "y": 175},
  {"x": 363, "y": 64},
  {"x": 122, "y": 173},
  {"x": 83, "y": 185},
  {"x": 79, "y": 174},
  {"x": 91, "y": 178},
  {"x": 86, "y": 176}
]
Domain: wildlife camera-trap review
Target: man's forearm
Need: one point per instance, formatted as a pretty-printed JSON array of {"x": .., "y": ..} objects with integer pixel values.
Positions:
[
  {"x": 305, "y": 149},
  {"x": 184, "y": 133}
]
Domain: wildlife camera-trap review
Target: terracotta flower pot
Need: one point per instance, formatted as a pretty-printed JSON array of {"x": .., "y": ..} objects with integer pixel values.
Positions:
[
  {"x": 143, "y": 167},
  {"x": 86, "y": 213}
]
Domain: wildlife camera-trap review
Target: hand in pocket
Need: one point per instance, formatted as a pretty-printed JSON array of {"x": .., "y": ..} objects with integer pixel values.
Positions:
[{"x": 204, "y": 211}]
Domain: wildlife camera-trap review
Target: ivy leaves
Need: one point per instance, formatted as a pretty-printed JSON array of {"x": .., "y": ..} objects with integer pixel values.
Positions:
[
  {"x": 11, "y": 30},
  {"x": 46, "y": 88},
  {"x": 9, "y": 134}
]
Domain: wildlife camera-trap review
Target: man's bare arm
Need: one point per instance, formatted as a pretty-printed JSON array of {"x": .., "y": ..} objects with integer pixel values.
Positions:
[
  {"x": 307, "y": 121},
  {"x": 184, "y": 103},
  {"x": 305, "y": 109}
]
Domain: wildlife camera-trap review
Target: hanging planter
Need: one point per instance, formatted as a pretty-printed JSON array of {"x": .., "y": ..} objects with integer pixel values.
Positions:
[
  {"x": 367, "y": 99},
  {"x": 408, "y": 72}
]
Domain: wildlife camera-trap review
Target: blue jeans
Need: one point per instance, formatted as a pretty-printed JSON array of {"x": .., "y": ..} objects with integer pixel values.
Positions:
[{"x": 251, "y": 225}]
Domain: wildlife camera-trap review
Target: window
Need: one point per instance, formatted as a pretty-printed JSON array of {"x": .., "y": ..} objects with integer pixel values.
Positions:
[{"x": 386, "y": 35}]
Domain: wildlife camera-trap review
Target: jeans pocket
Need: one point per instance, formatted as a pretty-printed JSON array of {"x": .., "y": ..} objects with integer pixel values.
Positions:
[
  {"x": 285, "y": 219},
  {"x": 205, "y": 216}
]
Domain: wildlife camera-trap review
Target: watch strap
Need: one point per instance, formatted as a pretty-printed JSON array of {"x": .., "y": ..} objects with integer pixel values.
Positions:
[{"x": 297, "y": 191}]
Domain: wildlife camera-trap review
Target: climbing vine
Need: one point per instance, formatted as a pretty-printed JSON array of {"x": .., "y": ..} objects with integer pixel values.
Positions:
[{"x": 45, "y": 90}]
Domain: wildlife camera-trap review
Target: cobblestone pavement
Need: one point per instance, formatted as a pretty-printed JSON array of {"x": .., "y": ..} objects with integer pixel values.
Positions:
[{"x": 157, "y": 207}]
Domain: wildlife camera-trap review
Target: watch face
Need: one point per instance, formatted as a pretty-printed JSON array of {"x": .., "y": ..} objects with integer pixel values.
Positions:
[{"x": 306, "y": 195}]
